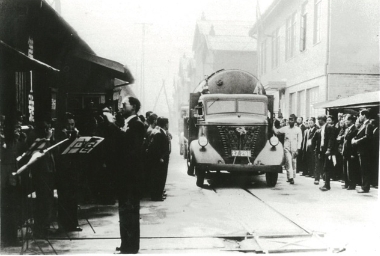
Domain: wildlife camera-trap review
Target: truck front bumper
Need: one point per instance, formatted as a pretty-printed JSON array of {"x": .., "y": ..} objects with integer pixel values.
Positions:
[{"x": 241, "y": 168}]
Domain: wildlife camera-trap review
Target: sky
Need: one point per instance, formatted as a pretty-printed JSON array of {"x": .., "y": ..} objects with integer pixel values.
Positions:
[{"x": 114, "y": 30}]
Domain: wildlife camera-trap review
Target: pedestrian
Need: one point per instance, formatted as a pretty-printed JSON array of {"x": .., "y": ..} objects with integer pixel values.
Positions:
[
  {"x": 340, "y": 121},
  {"x": 14, "y": 144},
  {"x": 349, "y": 153},
  {"x": 292, "y": 145},
  {"x": 68, "y": 169},
  {"x": 339, "y": 157},
  {"x": 158, "y": 156},
  {"x": 326, "y": 149},
  {"x": 129, "y": 177},
  {"x": 309, "y": 146},
  {"x": 43, "y": 177},
  {"x": 375, "y": 152},
  {"x": 146, "y": 120},
  {"x": 363, "y": 141},
  {"x": 300, "y": 164}
]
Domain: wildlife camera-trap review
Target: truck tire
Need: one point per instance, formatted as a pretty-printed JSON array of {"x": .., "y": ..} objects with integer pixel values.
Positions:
[
  {"x": 201, "y": 173},
  {"x": 271, "y": 178},
  {"x": 190, "y": 167}
]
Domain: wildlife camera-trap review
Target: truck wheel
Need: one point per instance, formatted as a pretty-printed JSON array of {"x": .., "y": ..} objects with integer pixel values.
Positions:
[
  {"x": 190, "y": 167},
  {"x": 201, "y": 173},
  {"x": 271, "y": 178}
]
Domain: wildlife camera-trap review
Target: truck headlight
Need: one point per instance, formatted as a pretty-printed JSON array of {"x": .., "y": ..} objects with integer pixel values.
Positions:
[
  {"x": 274, "y": 141},
  {"x": 202, "y": 141}
]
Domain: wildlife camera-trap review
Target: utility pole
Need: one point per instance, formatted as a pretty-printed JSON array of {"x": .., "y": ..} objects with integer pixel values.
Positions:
[{"x": 142, "y": 66}]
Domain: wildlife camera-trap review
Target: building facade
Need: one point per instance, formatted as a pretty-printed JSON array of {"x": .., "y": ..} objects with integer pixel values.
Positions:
[
  {"x": 311, "y": 51},
  {"x": 222, "y": 45},
  {"x": 80, "y": 79}
]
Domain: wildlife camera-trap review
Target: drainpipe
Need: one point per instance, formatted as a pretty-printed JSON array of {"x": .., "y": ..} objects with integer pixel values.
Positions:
[{"x": 328, "y": 47}]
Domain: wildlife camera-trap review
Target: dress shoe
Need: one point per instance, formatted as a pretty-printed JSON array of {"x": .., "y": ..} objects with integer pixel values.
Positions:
[
  {"x": 351, "y": 188},
  {"x": 302, "y": 174},
  {"x": 344, "y": 187},
  {"x": 316, "y": 182},
  {"x": 362, "y": 191},
  {"x": 324, "y": 188},
  {"x": 288, "y": 181},
  {"x": 158, "y": 199},
  {"x": 72, "y": 229},
  {"x": 291, "y": 181}
]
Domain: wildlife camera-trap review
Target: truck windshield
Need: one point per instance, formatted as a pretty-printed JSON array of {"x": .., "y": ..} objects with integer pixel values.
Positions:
[
  {"x": 252, "y": 107},
  {"x": 221, "y": 106}
]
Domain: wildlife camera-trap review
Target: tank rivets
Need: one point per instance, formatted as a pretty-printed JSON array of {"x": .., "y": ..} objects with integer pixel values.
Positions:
[{"x": 219, "y": 83}]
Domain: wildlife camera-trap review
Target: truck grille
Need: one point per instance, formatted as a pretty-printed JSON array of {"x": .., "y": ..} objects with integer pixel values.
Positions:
[{"x": 242, "y": 138}]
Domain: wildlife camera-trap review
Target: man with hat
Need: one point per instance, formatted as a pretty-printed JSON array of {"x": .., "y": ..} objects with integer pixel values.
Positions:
[{"x": 292, "y": 145}]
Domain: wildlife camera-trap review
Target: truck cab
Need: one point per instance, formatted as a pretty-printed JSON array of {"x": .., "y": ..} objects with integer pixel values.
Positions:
[{"x": 230, "y": 128}]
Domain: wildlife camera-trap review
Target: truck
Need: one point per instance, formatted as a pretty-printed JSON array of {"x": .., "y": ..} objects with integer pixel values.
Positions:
[
  {"x": 230, "y": 128},
  {"x": 183, "y": 130}
]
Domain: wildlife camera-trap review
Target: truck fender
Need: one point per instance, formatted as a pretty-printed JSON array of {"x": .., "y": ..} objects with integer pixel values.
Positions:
[
  {"x": 206, "y": 154},
  {"x": 271, "y": 155}
]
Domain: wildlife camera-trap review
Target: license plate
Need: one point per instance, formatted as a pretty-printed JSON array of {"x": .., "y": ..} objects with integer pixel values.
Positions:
[{"x": 241, "y": 153}]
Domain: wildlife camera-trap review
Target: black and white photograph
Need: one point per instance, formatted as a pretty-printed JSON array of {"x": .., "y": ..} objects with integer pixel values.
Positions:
[{"x": 189, "y": 127}]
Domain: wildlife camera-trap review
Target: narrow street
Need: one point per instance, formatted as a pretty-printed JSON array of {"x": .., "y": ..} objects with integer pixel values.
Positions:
[{"x": 232, "y": 216}]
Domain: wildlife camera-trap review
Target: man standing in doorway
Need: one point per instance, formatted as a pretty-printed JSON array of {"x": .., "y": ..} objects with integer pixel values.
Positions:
[
  {"x": 363, "y": 140},
  {"x": 292, "y": 145},
  {"x": 129, "y": 177}
]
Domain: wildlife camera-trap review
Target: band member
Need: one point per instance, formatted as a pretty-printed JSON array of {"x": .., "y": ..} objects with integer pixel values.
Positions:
[
  {"x": 129, "y": 176},
  {"x": 363, "y": 141},
  {"x": 348, "y": 153},
  {"x": 158, "y": 156},
  {"x": 14, "y": 144},
  {"x": 43, "y": 172},
  {"x": 68, "y": 168},
  {"x": 292, "y": 145}
]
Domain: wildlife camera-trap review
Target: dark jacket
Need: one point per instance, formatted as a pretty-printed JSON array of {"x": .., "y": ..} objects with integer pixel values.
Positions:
[
  {"x": 159, "y": 147},
  {"x": 309, "y": 136},
  {"x": 364, "y": 137},
  {"x": 329, "y": 143},
  {"x": 348, "y": 149}
]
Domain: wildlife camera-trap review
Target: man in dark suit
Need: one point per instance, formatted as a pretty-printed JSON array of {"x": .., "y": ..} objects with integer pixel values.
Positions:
[
  {"x": 363, "y": 141},
  {"x": 128, "y": 176},
  {"x": 375, "y": 152},
  {"x": 309, "y": 146},
  {"x": 348, "y": 153},
  {"x": 158, "y": 154},
  {"x": 300, "y": 163},
  {"x": 326, "y": 150}
]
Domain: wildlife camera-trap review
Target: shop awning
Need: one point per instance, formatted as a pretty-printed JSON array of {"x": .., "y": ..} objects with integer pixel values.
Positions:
[
  {"x": 113, "y": 68},
  {"x": 363, "y": 100},
  {"x": 13, "y": 59}
]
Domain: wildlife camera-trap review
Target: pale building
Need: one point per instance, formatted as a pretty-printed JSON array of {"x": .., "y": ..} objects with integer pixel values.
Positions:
[{"x": 313, "y": 51}]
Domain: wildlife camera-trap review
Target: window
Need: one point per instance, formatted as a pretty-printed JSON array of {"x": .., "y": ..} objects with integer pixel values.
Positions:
[
  {"x": 21, "y": 82},
  {"x": 293, "y": 106},
  {"x": 290, "y": 41},
  {"x": 275, "y": 48},
  {"x": 224, "y": 106},
  {"x": 312, "y": 98},
  {"x": 253, "y": 107},
  {"x": 301, "y": 107},
  {"x": 303, "y": 29},
  {"x": 263, "y": 59},
  {"x": 317, "y": 21}
]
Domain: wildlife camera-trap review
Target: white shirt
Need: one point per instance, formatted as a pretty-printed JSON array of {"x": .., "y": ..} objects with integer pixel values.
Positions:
[
  {"x": 323, "y": 135},
  {"x": 125, "y": 128},
  {"x": 293, "y": 137}
]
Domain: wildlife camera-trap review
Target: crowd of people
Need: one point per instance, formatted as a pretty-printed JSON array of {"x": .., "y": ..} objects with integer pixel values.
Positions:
[
  {"x": 346, "y": 150},
  {"x": 130, "y": 164}
]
